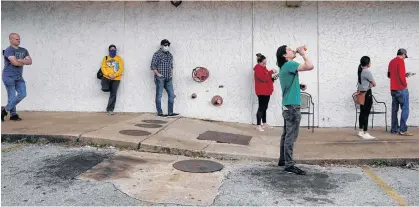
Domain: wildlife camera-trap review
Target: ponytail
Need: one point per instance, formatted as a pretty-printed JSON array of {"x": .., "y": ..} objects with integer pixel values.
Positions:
[{"x": 359, "y": 73}]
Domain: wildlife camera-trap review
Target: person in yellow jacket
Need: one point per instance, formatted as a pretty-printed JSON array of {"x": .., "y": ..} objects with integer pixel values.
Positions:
[{"x": 112, "y": 69}]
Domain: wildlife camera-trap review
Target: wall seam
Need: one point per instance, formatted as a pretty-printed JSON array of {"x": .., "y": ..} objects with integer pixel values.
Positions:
[{"x": 318, "y": 66}]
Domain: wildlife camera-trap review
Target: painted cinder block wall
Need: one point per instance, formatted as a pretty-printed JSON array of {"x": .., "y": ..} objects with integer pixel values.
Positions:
[{"x": 67, "y": 41}]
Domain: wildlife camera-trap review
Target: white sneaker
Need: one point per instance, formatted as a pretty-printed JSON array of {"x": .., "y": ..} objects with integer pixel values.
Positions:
[
  {"x": 267, "y": 126},
  {"x": 367, "y": 136},
  {"x": 259, "y": 128},
  {"x": 360, "y": 133}
]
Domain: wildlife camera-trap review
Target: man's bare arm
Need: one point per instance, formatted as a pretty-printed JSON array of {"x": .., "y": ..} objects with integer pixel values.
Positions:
[
  {"x": 157, "y": 72},
  {"x": 27, "y": 60},
  {"x": 14, "y": 61},
  {"x": 307, "y": 65}
]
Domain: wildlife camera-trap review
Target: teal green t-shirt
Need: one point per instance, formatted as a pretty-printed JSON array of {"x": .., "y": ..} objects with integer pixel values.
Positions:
[{"x": 290, "y": 84}]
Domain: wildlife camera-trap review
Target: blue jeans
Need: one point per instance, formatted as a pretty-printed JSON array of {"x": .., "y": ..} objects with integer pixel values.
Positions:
[
  {"x": 13, "y": 85},
  {"x": 400, "y": 98},
  {"x": 166, "y": 83}
]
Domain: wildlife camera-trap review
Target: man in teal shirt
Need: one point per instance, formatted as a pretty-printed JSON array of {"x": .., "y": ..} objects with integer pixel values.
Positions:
[{"x": 290, "y": 85}]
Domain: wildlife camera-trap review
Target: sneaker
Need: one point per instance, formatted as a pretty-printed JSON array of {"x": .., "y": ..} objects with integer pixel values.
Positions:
[
  {"x": 267, "y": 126},
  {"x": 3, "y": 113},
  {"x": 295, "y": 170},
  {"x": 173, "y": 114},
  {"x": 160, "y": 114},
  {"x": 367, "y": 136},
  {"x": 110, "y": 113},
  {"x": 260, "y": 128},
  {"x": 406, "y": 133},
  {"x": 15, "y": 118},
  {"x": 360, "y": 133}
]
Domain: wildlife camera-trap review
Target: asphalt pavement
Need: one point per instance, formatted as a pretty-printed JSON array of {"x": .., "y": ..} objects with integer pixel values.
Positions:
[{"x": 39, "y": 175}]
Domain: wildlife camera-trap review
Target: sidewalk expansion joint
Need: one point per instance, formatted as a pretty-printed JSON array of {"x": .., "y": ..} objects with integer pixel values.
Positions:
[{"x": 139, "y": 144}]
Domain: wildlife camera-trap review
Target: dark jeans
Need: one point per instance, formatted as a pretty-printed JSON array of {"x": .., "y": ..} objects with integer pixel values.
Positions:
[
  {"x": 13, "y": 85},
  {"x": 292, "y": 118},
  {"x": 263, "y": 106},
  {"x": 166, "y": 83},
  {"x": 365, "y": 111},
  {"x": 400, "y": 98},
  {"x": 113, "y": 86}
]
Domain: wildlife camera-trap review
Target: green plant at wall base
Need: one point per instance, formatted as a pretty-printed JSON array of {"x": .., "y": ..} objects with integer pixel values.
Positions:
[{"x": 381, "y": 162}]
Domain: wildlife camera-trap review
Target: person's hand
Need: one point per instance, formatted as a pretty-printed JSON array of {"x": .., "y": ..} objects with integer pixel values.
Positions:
[
  {"x": 301, "y": 50},
  {"x": 273, "y": 71},
  {"x": 112, "y": 76}
]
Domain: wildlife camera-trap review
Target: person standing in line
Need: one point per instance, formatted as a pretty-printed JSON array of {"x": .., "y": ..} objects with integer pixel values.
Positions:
[
  {"x": 162, "y": 66},
  {"x": 291, "y": 92},
  {"x": 15, "y": 58},
  {"x": 263, "y": 88},
  {"x": 399, "y": 93},
  {"x": 365, "y": 83},
  {"x": 112, "y": 69}
]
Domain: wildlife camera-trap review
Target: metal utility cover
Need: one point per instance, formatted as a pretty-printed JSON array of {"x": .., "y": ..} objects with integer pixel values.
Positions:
[
  {"x": 149, "y": 125},
  {"x": 135, "y": 132},
  {"x": 223, "y": 137},
  {"x": 198, "y": 166},
  {"x": 153, "y": 121}
]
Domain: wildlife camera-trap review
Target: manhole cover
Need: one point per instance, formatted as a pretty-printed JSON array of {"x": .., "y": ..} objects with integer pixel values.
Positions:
[
  {"x": 153, "y": 121},
  {"x": 149, "y": 125},
  {"x": 198, "y": 166},
  {"x": 135, "y": 132},
  {"x": 223, "y": 137}
]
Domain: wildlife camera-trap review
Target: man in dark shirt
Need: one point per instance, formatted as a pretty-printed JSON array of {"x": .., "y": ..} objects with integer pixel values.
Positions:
[
  {"x": 15, "y": 58},
  {"x": 162, "y": 66},
  {"x": 399, "y": 93}
]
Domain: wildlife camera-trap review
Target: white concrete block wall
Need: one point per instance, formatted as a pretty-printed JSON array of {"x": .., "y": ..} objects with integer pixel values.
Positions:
[{"x": 68, "y": 40}]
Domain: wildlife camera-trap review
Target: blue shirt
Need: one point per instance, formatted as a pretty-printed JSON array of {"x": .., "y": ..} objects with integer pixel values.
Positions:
[{"x": 9, "y": 69}]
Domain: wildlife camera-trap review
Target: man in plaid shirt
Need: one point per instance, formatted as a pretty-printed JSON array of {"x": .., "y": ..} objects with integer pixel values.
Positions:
[{"x": 162, "y": 66}]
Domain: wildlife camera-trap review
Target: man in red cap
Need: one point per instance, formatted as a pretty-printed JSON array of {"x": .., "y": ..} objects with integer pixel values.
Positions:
[{"x": 399, "y": 93}]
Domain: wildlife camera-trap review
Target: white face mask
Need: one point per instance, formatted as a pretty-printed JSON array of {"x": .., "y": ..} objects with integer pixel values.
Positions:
[{"x": 165, "y": 48}]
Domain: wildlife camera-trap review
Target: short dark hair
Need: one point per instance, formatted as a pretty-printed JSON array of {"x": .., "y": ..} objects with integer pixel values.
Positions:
[{"x": 110, "y": 46}]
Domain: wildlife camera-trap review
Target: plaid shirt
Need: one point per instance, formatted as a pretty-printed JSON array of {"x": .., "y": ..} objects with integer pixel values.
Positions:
[{"x": 162, "y": 62}]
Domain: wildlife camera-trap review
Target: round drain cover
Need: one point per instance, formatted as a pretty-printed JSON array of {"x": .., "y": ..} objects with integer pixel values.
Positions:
[
  {"x": 198, "y": 166},
  {"x": 135, "y": 132},
  {"x": 149, "y": 125},
  {"x": 152, "y": 121}
]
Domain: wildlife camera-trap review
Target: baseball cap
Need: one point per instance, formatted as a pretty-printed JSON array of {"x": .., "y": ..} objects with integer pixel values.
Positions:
[
  {"x": 402, "y": 51},
  {"x": 165, "y": 41}
]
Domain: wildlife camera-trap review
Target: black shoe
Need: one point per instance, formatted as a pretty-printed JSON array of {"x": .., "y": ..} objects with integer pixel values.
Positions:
[
  {"x": 295, "y": 170},
  {"x": 173, "y": 114},
  {"x": 15, "y": 118},
  {"x": 3, "y": 113},
  {"x": 281, "y": 163},
  {"x": 160, "y": 114}
]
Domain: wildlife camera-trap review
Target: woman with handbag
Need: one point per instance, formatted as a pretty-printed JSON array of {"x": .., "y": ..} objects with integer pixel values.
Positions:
[
  {"x": 264, "y": 88},
  {"x": 112, "y": 69},
  {"x": 365, "y": 83}
]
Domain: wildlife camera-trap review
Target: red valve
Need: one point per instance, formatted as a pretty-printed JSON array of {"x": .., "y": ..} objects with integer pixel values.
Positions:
[
  {"x": 217, "y": 100},
  {"x": 200, "y": 74}
]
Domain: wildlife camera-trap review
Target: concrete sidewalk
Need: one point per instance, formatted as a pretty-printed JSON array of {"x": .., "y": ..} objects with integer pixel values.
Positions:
[{"x": 179, "y": 136}]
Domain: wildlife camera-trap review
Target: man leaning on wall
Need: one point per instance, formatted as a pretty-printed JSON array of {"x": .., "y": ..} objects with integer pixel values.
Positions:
[
  {"x": 162, "y": 66},
  {"x": 399, "y": 93},
  {"x": 15, "y": 58}
]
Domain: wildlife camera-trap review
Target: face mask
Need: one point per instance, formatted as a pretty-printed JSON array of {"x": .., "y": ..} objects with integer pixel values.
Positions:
[
  {"x": 166, "y": 48},
  {"x": 112, "y": 53}
]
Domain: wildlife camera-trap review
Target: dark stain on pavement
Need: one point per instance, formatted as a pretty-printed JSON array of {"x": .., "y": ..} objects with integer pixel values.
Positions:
[
  {"x": 113, "y": 168},
  {"x": 67, "y": 167},
  {"x": 316, "y": 183}
]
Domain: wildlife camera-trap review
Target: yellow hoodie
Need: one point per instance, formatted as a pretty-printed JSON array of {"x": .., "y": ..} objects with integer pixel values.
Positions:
[{"x": 113, "y": 66}]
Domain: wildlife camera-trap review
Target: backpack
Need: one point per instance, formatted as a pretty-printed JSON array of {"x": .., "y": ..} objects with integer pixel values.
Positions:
[{"x": 99, "y": 73}]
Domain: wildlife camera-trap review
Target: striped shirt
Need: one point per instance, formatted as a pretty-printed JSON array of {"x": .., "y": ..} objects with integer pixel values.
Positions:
[{"x": 162, "y": 62}]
